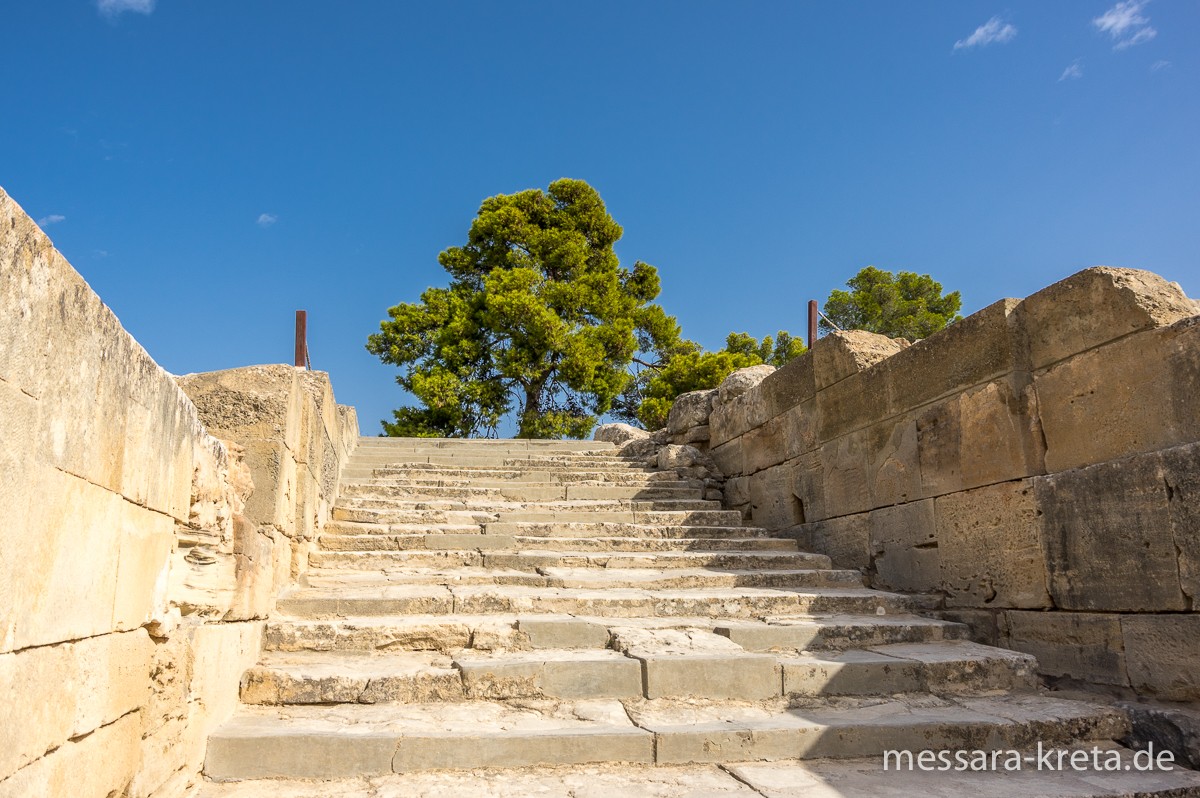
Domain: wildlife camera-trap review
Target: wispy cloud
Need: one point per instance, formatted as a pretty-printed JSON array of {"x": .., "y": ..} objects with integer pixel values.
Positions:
[
  {"x": 1073, "y": 72},
  {"x": 1125, "y": 24},
  {"x": 1159, "y": 65},
  {"x": 994, "y": 31},
  {"x": 53, "y": 218},
  {"x": 113, "y": 8},
  {"x": 266, "y": 219}
]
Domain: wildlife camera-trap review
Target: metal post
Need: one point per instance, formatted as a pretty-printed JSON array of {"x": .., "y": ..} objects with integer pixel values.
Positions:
[
  {"x": 301, "y": 339},
  {"x": 812, "y": 322}
]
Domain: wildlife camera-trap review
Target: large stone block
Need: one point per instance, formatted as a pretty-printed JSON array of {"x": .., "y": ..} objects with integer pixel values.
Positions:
[
  {"x": 893, "y": 462},
  {"x": 1181, "y": 474},
  {"x": 254, "y": 402},
  {"x": 904, "y": 545},
  {"x": 690, "y": 410},
  {"x": 800, "y": 428},
  {"x": 765, "y": 446},
  {"x": 1079, "y": 645},
  {"x": 977, "y": 349},
  {"x": 991, "y": 551},
  {"x": 101, "y": 763},
  {"x": 844, "y": 482},
  {"x": 845, "y": 540},
  {"x": 1163, "y": 654},
  {"x": 275, "y": 475},
  {"x": 1137, "y": 394},
  {"x": 1108, "y": 538},
  {"x": 728, "y": 421},
  {"x": 853, "y": 403},
  {"x": 789, "y": 385},
  {"x": 1095, "y": 306},
  {"x": 730, "y": 457},
  {"x": 808, "y": 486},
  {"x": 772, "y": 504},
  {"x": 843, "y": 353}
]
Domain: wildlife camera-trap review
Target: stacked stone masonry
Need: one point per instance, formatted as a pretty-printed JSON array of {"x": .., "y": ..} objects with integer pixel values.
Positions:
[
  {"x": 134, "y": 577},
  {"x": 1033, "y": 470},
  {"x": 504, "y": 618}
]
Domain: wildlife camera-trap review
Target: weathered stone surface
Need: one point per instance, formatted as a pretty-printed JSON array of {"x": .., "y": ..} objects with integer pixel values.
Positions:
[
  {"x": 729, "y": 458},
  {"x": 765, "y": 446},
  {"x": 893, "y": 462},
  {"x": 904, "y": 544},
  {"x": 845, "y": 482},
  {"x": 690, "y": 410},
  {"x": 1084, "y": 646},
  {"x": 853, "y": 403},
  {"x": 619, "y": 433},
  {"x": 1099, "y": 405},
  {"x": 991, "y": 552},
  {"x": 773, "y": 505},
  {"x": 679, "y": 456},
  {"x": 789, "y": 385},
  {"x": 1119, "y": 508},
  {"x": 1098, "y": 305},
  {"x": 100, "y": 763},
  {"x": 1162, "y": 654},
  {"x": 741, "y": 381},
  {"x": 843, "y": 353},
  {"x": 846, "y": 539}
]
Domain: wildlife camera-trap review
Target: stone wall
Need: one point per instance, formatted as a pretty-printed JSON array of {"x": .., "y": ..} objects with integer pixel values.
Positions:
[
  {"x": 132, "y": 585},
  {"x": 1034, "y": 469}
]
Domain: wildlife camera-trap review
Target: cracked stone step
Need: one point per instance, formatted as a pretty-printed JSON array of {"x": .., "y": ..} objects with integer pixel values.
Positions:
[
  {"x": 840, "y": 632},
  {"x": 697, "y": 663},
  {"x": 716, "y": 602},
  {"x": 534, "y": 560},
  {"x": 587, "y": 578},
  {"x": 938, "y": 668},
  {"x": 561, "y": 673},
  {"x": 690, "y": 731},
  {"x": 482, "y": 542},
  {"x": 356, "y": 740},
  {"x": 453, "y": 632},
  {"x": 352, "y": 678}
]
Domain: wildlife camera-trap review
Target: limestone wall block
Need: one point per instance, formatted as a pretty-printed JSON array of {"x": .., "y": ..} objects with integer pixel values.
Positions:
[
  {"x": 980, "y": 348},
  {"x": 853, "y": 403},
  {"x": 728, "y": 421},
  {"x": 1137, "y": 394},
  {"x": 1098, "y": 305},
  {"x": 846, "y": 540},
  {"x": 808, "y": 486},
  {"x": 320, "y": 391},
  {"x": 844, "y": 480},
  {"x": 991, "y": 549},
  {"x": 145, "y": 541},
  {"x": 348, "y": 431},
  {"x": 1162, "y": 653},
  {"x": 729, "y": 457},
  {"x": 904, "y": 546},
  {"x": 772, "y": 504},
  {"x": 1081, "y": 645},
  {"x": 254, "y": 570},
  {"x": 789, "y": 385},
  {"x": 253, "y": 402},
  {"x": 893, "y": 462},
  {"x": 274, "y": 471},
  {"x": 843, "y": 353},
  {"x": 800, "y": 428},
  {"x": 741, "y": 381},
  {"x": 1108, "y": 538},
  {"x": 765, "y": 446},
  {"x": 1181, "y": 474},
  {"x": 689, "y": 410},
  {"x": 99, "y": 764}
]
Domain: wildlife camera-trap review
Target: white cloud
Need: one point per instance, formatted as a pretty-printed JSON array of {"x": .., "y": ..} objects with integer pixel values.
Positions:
[
  {"x": 1125, "y": 24},
  {"x": 266, "y": 219},
  {"x": 995, "y": 30},
  {"x": 1072, "y": 72},
  {"x": 1160, "y": 64},
  {"x": 53, "y": 218},
  {"x": 112, "y": 8}
]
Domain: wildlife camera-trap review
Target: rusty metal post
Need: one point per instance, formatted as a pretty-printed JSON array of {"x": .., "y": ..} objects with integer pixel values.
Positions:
[
  {"x": 301, "y": 339},
  {"x": 812, "y": 322}
]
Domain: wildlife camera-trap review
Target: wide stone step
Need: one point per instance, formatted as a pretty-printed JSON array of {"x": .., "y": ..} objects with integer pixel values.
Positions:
[
  {"x": 585, "y": 578},
  {"x": 815, "y": 778},
  {"x": 499, "y": 632},
  {"x": 578, "y": 462},
  {"x": 360, "y": 740},
  {"x": 509, "y": 476},
  {"x": 532, "y": 561},
  {"x": 614, "y": 603},
  {"x": 533, "y": 492},
  {"x": 492, "y": 542},
  {"x": 539, "y": 444},
  {"x": 691, "y": 511}
]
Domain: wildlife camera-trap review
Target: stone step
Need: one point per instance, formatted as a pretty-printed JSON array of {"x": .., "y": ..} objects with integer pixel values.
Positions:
[
  {"x": 483, "y": 444},
  {"x": 815, "y": 778},
  {"x": 534, "y": 560},
  {"x": 664, "y": 511},
  {"x": 839, "y": 632},
  {"x": 511, "y": 476},
  {"x": 532, "y": 461},
  {"x": 585, "y": 578},
  {"x": 512, "y": 632},
  {"x": 650, "y": 663},
  {"x": 321, "y": 742},
  {"x": 613, "y": 603},
  {"x": 491, "y": 542},
  {"x": 534, "y": 492}
]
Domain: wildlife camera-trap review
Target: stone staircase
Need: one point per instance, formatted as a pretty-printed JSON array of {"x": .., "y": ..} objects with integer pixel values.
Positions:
[{"x": 530, "y": 604}]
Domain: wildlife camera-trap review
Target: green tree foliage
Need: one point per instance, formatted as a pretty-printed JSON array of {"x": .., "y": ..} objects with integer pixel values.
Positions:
[
  {"x": 539, "y": 317},
  {"x": 904, "y": 305},
  {"x": 688, "y": 368}
]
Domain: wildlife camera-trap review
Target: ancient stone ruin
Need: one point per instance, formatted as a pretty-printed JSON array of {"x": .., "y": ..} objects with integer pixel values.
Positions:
[{"x": 987, "y": 541}]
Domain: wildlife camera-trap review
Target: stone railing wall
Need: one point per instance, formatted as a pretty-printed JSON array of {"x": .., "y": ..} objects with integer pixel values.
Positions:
[
  {"x": 133, "y": 578},
  {"x": 1034, "y": 469}
]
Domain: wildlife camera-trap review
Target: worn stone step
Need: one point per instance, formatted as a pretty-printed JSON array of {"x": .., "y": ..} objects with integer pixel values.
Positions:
[
  {"x": 357, "y": 740},
  {"x": 585, "y": 578},
  {"x": 580, "y": 462},
  {"x": 493, "y": 542},
  {"x": 534, "y": 492},
  {"x": 692, "y": 511},
  {"x": 539, "y": 444},
  {"x": 837, "y": 632},
  {"x": 352, "y": 678},
  {"x": 532, "y": 560},
  {"x": 401, "y": 480},
  {"x": 352, "y": 740},
  {"x": 815, "y": 778},
  {"x": 613, "y": 603},
  {"x": 453, "y": 511}
]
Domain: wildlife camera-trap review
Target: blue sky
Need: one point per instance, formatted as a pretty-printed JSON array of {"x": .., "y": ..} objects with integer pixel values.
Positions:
[{"x": 210, "y": 167}]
